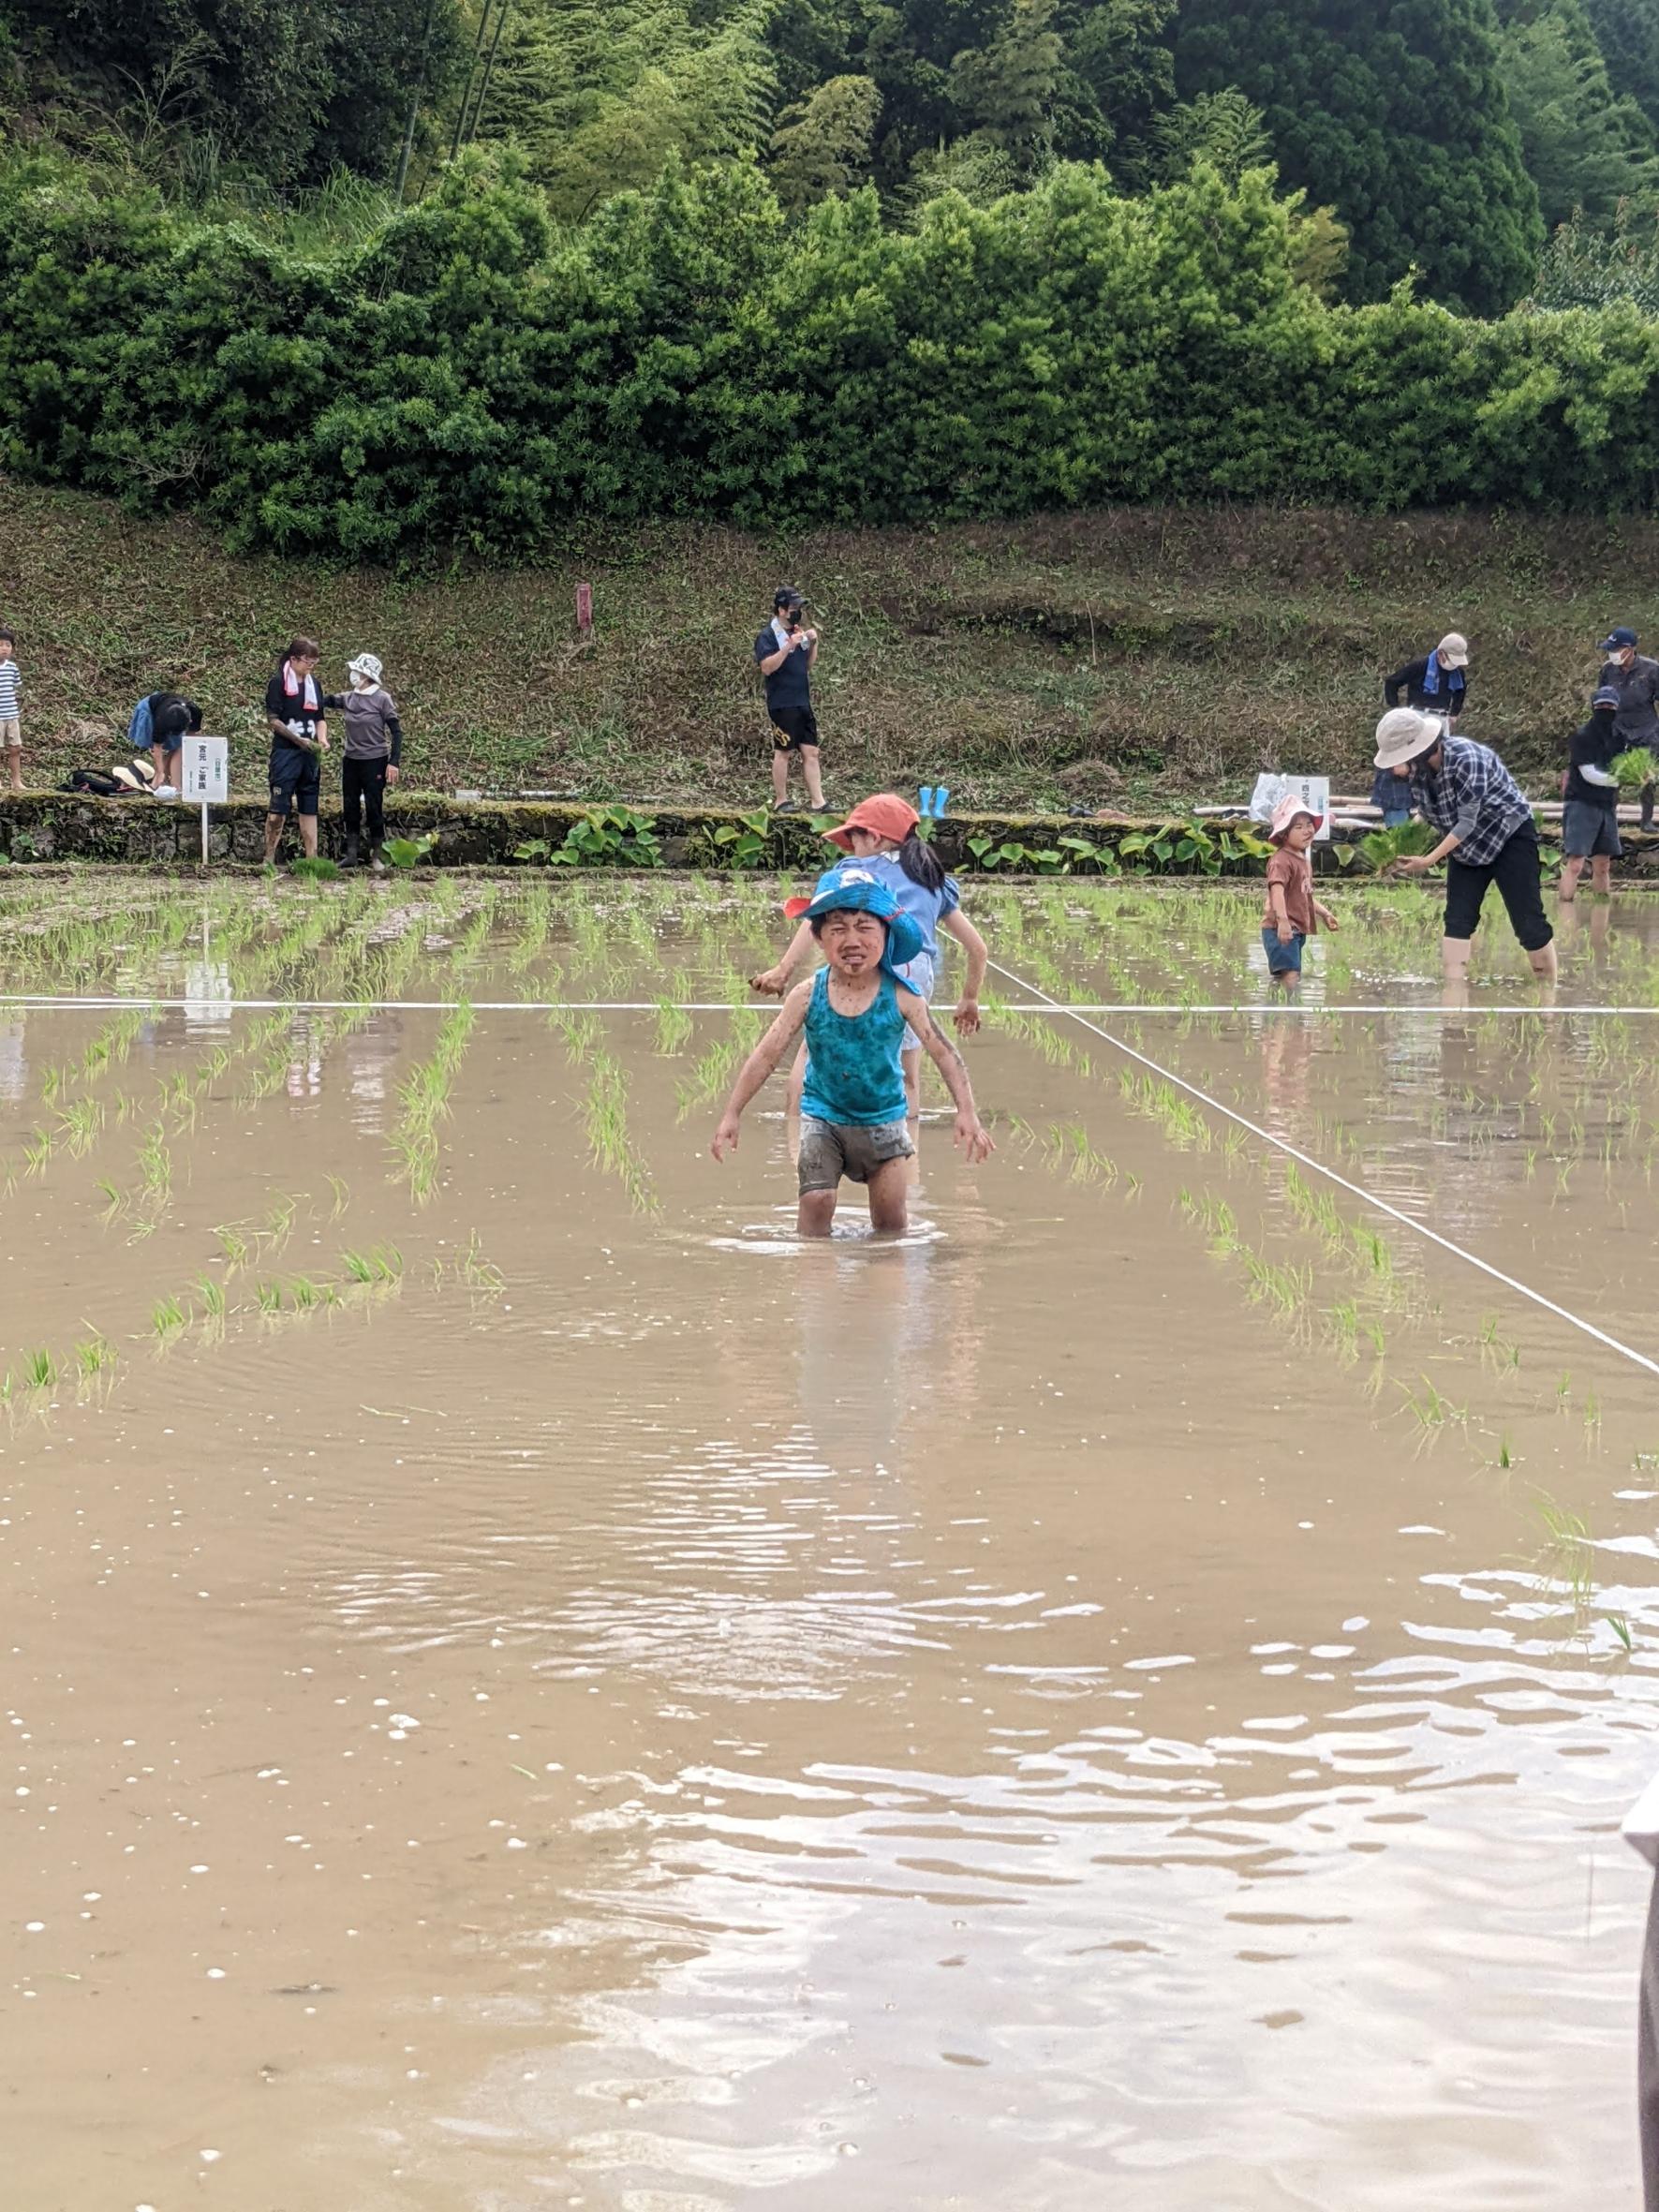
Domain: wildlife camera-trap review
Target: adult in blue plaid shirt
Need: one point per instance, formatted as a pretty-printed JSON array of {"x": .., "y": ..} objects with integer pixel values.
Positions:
[{"x": 1465, "y": 789}]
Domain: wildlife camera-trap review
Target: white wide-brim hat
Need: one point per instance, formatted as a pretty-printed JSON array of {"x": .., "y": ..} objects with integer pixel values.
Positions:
[
  {"x": 365, "y": 664},
  {"x": 1403, "y": 732}
]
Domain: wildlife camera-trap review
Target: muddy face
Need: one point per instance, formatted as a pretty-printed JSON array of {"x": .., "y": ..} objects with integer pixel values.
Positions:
[
  {"x": 852, "y": 943},
  {"x": 528, "y": 1685}
]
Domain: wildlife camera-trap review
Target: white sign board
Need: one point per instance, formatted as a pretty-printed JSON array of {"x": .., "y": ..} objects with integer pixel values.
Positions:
[
  {"x": 206, "y": 771},
  {"x": 1312, "y": 790}
]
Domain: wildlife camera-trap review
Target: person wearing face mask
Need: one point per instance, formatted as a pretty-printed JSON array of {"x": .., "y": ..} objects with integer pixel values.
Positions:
[
  {"x": 373, "y": 757},
  {"x": 1636, "y": 679}
]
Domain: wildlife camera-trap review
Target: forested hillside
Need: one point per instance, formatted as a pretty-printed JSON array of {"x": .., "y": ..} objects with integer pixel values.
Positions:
[{"x": 379, "y": 278}]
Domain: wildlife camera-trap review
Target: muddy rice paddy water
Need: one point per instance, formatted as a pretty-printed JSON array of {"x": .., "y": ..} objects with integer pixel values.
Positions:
[{"x": 525, "y": 1686}]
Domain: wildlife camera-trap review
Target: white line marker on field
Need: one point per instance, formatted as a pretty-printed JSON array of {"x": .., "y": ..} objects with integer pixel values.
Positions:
[
  {"x": 46, "y": 1001},
  {"x": 1318, "y": 1167}
]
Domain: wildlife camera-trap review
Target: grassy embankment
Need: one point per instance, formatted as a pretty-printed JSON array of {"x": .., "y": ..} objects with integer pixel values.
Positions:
[{"x": 1130, "y": 656}]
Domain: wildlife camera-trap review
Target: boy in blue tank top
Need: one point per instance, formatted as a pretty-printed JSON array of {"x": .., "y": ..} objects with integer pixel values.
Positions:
[{"x": 856, "y": 1013}]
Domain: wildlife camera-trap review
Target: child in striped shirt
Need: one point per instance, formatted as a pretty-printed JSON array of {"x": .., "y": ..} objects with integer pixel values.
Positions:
[{"x": 11, "y": 694}]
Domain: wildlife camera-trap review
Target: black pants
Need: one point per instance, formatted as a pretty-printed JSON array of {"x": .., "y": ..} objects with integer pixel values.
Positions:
[
  {"x": 1516, "y": 873},
  {"x": 363, "y": 783}
]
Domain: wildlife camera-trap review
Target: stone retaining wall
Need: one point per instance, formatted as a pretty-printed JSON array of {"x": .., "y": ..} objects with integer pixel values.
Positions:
[{"x": 147, "y": 833}]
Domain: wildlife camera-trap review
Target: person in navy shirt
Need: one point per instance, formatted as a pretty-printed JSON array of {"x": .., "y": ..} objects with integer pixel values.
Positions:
[{"x": 786, "y": 652}]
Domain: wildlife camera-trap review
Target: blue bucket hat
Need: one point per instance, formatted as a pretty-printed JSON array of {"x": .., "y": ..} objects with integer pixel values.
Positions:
[{"x": 854, "y": 892}]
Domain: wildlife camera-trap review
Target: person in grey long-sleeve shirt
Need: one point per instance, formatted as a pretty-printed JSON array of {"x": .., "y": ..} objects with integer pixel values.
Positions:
[
  {"x": 373, "y": 756},
  {"x": 1636, "y": 679}
]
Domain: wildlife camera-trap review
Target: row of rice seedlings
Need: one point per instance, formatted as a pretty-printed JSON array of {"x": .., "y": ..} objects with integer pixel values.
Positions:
[
  {"x": 605, "y": 1114},
  {"x": 1069, "y": 1150},
  {"x": 424, "y": 1096},
  {"x": 674, "y": 1026}
]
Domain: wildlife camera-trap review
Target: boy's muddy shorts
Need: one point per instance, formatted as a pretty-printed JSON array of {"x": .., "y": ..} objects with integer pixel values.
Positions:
[{"x": 834, "y": 1150}]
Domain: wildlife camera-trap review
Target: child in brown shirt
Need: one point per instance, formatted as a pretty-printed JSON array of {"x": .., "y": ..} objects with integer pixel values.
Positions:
[{"x": 1292, "y": 913}]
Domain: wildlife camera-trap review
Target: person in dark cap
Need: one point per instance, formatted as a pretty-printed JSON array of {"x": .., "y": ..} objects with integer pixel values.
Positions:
[
  {"x": 785, "y": 653},
  {"x": 1589, "y": 816},
  {"x": 1636, "y": 679}
]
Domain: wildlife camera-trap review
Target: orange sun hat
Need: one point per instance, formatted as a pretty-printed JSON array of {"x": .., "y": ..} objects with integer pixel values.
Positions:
[{"x": 884, "y": 816}]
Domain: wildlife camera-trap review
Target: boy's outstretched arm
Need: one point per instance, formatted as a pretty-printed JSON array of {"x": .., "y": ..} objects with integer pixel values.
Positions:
[
  {"x": 969, "y": 1132},
  {"x": 760, "y": 1064},
  {"x": 957, "y": 926},
  {"x": 775, "y": 981}
]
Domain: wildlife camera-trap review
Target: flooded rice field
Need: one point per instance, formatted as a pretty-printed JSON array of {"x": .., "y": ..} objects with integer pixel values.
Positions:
[{"x": 528, "y": 1686}]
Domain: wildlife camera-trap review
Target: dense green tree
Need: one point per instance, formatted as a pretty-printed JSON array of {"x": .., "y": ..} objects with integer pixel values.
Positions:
[
  {"x": 600, "y": 94},
  {"x": 821, "y": 149},
  {"x": 1005, "y": 91},
  {"x": 1082, "y": 77},
  {"x": 1585, "y": 148},
  {"x": 286, "y": 87},
  {"x": 1393, "y": 113},
  {"x": 1118, "y": 75},
  {"x": 1627, "y": 32},
  {"x": 1222, "y": 128},
  {"x": 206, "y": 65}
]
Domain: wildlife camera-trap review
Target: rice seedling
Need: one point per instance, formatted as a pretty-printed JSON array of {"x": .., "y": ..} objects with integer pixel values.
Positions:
[
  {"x": 279, "y": 1225},
  {"x": 304, "y": 1293},
  {"x": 673, "y": 1028},
  {"x": 1344, "y": 1323},
  {"x": 233, "y": 1245},
  {"x": 269, "y": 1296},
  {"x": 94, "y": 1354},
  {"x": 477, "y": 1271},
  {"x": 155, "y": 1167},
  {"x": 384, "y": 1263},
  {"x": 1430, "y": 1409},
  {"x": 1567, "y": 1563},
  {"x": 40, "y": 1370},
  {"x": 213, "y": 1298},
  {"x": 167, "y": 1317},
  {"x": 342, "y": 1196}
]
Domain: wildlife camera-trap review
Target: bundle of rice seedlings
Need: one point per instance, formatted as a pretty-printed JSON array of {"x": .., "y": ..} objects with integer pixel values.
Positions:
[{"x": 1380, "y": 849}]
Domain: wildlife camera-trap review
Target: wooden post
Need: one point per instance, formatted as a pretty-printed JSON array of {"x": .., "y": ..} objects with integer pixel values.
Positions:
[{"x": 584, "y": 611}]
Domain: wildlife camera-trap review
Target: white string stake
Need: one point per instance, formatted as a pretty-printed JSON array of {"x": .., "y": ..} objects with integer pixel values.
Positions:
[{"x": 1318, "y": 1168}]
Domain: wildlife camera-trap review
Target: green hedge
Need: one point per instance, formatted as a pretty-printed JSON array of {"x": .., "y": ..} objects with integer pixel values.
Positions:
[{"x": 474, "y": 378}]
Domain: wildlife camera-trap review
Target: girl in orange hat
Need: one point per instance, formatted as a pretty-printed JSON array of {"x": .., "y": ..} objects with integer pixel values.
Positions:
[{"x": 880, "y": 837}]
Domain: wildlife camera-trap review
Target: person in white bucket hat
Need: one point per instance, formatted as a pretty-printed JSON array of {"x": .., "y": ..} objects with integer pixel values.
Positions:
[
  {"x": 373, "y": 751},
  {"x": 1465, "y": 789}
]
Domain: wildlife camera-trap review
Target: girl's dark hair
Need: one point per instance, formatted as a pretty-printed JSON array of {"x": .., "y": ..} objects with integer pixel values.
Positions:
[
  {"x": 193, "y": 715},
  {"x": 303, "y": 649},
  {"x": 8, "y": 636},
  {"x": 920, "y": 863}
]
